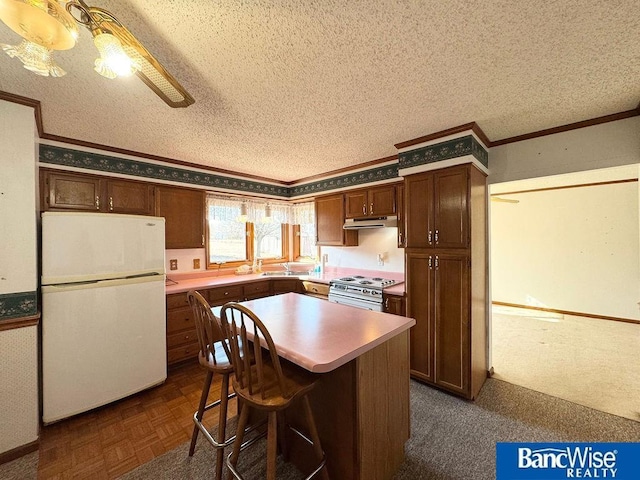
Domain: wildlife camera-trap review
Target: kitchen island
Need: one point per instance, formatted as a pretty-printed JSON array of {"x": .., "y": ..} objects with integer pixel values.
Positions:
[{"x": 361, "y": 401}]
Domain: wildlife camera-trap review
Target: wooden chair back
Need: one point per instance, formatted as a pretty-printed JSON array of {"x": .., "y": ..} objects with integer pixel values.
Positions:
[
  {"x": 246, "y": 337},
  {"x": 208, "y": 327}
]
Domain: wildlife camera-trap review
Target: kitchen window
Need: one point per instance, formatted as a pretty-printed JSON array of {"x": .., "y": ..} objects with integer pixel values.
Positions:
[{"x": 241, "y": 230}]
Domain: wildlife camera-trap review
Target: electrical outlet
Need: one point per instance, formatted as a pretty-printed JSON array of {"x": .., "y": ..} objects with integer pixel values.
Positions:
[
  {"x": 196, "y": 263},
  {"x": 173, "y": 264}
]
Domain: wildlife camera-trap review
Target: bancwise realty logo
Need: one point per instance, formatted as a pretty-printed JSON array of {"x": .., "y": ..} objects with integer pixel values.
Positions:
[{"x": 551, "y": 461}]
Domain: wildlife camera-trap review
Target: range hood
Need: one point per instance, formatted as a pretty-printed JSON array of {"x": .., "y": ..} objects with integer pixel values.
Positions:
[{"x": 362, "y": 223}]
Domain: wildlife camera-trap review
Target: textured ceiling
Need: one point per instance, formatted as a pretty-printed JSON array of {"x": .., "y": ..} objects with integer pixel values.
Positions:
[{"x": 290, "y": 89}]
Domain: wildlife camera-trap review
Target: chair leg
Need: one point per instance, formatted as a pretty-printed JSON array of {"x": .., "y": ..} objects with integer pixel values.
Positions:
[
  {"x": 313, "y": 433},
  {"x": 282, "y": 432},
  {"x": 222, "y": 423},
  {"x": 203, "y": 403},
  {"x": 242, "y": 423},
  {"x": 272, "y": 445}
]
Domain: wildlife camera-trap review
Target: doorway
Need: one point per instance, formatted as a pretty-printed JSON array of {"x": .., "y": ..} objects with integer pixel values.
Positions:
[{"x": 565, "y": 281}]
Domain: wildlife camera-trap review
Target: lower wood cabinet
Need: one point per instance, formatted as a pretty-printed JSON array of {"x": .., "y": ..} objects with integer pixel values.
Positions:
[
  {"x": 182, "y": 340},
  {"x": 285, "y": 285},
  {"x": 256, "y": 290},
  {"x": 448, "y": 347},
  {"x": 394, "y": 304}
]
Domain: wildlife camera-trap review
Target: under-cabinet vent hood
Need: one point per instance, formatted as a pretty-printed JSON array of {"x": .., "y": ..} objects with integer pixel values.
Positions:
[{"x": 361, "y": 223}]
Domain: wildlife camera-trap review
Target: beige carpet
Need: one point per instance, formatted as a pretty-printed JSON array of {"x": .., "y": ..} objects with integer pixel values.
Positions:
[{"x": 588, "y": 361}]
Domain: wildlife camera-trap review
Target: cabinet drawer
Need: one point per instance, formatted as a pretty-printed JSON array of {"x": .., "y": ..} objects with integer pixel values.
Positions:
[
  {"x": 176, "y": 301},
  {"x": 256, "y": 288},
  {"x": 182, "y": 353},
  {"x": 285, "y": 286},
  {"x": 180, "y": 319},
  {"x": 225, "y": 294},
  {"x": 181, "y": 338}
]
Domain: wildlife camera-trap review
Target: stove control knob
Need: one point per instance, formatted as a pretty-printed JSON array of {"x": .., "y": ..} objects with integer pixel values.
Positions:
[{"x": 365, "y": 291}]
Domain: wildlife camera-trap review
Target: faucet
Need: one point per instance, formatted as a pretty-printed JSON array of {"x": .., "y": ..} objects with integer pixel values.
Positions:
[{"x": 287, "y": 267}]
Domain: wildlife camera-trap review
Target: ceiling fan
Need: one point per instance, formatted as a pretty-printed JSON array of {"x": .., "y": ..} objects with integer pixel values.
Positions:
[
  {"x": 48, "y": 25},
  {"x": 504, "y": 200}
]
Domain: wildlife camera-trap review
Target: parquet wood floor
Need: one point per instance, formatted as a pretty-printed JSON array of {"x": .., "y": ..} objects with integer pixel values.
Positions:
[{"x": 112, "y": 440}]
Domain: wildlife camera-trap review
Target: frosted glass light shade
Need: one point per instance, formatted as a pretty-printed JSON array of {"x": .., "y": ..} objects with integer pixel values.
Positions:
[
  {"x": 113, "y": 61},
  {"x": 44, "y": 22},
  {"x": 35, "y": 58}
]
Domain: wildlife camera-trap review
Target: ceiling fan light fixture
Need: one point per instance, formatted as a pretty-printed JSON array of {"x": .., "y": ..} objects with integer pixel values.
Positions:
[
  {"x": 113, "y": 61},
  {"x": 35, "y": 58},
  {"x": 44, "y": 22}
]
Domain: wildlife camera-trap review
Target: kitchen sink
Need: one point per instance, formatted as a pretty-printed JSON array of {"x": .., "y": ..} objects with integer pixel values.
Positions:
[{"x": 285, "y": 274}]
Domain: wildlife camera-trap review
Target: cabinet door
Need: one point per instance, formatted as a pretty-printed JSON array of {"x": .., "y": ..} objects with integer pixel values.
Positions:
[
  {"x": 419, "y": 278},
  {"x": 451, "y": 332},
  {"x": 382, "y": 201},
  {"x": 356, "y": 204},
  {"x": 394, "y": 304},
  {"x": 183, "y": 210},
  {"x": 329, "y": 222},
  {"x": 73, "y": 192},
  {"x": 419, "y": 210},
  {"x": 256, "y": 290},
  {"x": 285, "y": 285},
  {"x": 451, "y": 212},
  {"x": 402, "y": 239},
  {"x": 134, "y": 198}
]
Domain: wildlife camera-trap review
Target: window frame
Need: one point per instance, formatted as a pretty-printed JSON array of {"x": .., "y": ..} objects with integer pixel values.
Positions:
[{"x": 234, "y": 264}]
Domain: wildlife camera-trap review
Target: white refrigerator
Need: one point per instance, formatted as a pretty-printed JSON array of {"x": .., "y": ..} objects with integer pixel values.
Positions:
[{"x": 103, "y": 309}]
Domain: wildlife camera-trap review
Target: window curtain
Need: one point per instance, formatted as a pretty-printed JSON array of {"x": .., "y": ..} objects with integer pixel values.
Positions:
[
  {"x": 303, "y": 213},
  {"x": 230, "y": 208}
]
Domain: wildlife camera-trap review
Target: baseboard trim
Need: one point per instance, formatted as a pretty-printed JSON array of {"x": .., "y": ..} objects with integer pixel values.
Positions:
[
  {"x": 19, "y": 452},
  {"x": 567, "y": 312}
]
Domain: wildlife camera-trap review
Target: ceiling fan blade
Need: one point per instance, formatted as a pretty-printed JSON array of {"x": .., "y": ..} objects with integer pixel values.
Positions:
[
  {"x": 151, "y": 72},
  {"x": 504, "y": 200}
]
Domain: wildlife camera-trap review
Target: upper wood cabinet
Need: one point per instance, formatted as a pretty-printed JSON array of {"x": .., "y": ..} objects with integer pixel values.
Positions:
[
  {"x": 330, "y": 218},
  {"x": 402, "y": 237},
  {"x": 133, "y": 198},
  {"x": 436, "y": 208},
  {"x": 183, "y": 210},
  {"x": 372, "y": 202},
  {"x": 80, "y": 192}
]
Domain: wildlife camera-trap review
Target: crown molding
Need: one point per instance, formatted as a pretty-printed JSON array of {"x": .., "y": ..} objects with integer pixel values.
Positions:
[
  {"x": 571, "y": 126},
  {"x": 473, "y": 126},
  {"x": 344, "y": 170}
]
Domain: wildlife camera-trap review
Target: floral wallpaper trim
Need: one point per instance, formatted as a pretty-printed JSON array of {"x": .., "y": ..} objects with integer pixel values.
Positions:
[
  {"x": 458, "y": 147},
  {"x": 21, "y": 304},
  {"x": 347, "y": 180},
  {"x": 104, "y": 163}
]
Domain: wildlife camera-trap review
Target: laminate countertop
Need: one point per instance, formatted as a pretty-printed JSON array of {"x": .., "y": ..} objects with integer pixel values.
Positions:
[
  {"x": 180, "y": 283},
  {"x": 321, "y": 336}
]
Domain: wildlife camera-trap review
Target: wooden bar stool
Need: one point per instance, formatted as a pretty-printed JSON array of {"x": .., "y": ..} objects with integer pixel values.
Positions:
[
  {"x": 262, "y": 382},
  {"x": 214, "y": 359}
]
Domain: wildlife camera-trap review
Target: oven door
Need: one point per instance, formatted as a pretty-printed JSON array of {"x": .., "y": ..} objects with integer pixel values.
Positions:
[{"x": 355, "y": 302}]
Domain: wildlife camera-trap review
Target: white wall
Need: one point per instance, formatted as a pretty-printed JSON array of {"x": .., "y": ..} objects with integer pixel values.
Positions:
[
  {"x": 17, "y": 199},
  {"x": 599, "y": 146},
  {"x": 18, "y": 267},
  {"x": 370, "y": 243},
  {"x": 573, "y": 249}
]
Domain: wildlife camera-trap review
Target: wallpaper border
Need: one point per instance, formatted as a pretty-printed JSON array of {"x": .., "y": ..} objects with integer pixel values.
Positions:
[{"x": 21, "y": 304}]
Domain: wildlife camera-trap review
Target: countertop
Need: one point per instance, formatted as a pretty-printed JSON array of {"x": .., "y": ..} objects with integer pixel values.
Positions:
[
  {"x": 201, "y": 280},
  {"x": 321, "y": 336}
]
